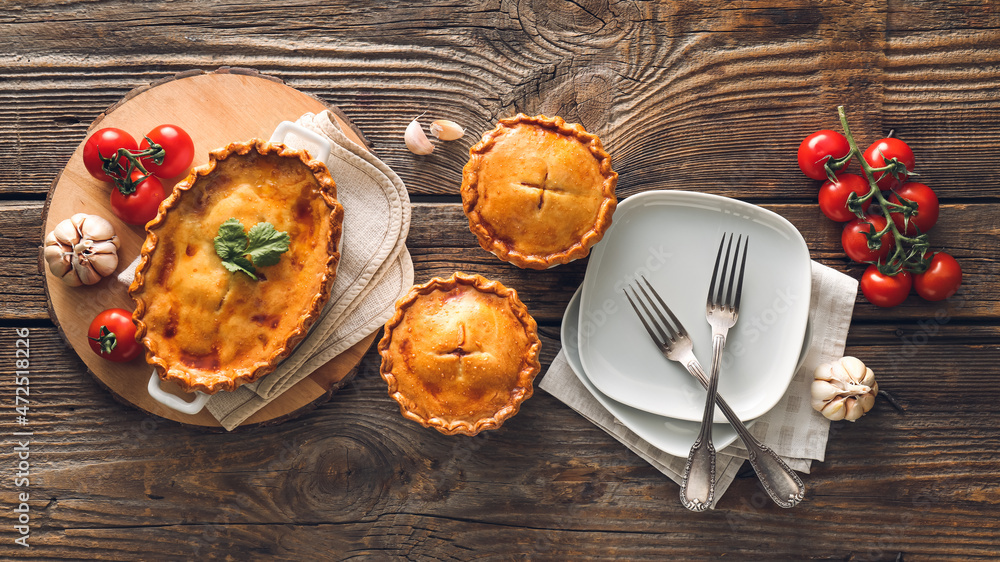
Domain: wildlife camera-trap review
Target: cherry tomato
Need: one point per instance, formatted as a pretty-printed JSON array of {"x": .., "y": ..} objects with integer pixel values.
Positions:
[
  {"x": 885, "y": 290},
  {"x": 941, "y": 280},
  {"x": 105, "y": 142},
  {"x": 819, "y": 147},
  {"x": 833, "y": 196},
  {"x": 139, "y": 207},
  {"x": 855, "y": 242},
  {"x": 881, "y": 153},
  {"x": 112, "y": 335},
  {"x": 927, "y": 207},
  {"x": 179, "y": 151}
]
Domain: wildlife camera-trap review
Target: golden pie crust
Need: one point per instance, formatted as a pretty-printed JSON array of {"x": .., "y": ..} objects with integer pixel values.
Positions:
[
  {"x": 538, "y": 192},
  {"x": 206, "y": 328},
  {"x": 460, "y": 354}
]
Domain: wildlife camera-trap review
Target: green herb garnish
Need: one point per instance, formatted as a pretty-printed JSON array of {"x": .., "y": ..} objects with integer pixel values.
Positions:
[{"x": 242, "y": 251}]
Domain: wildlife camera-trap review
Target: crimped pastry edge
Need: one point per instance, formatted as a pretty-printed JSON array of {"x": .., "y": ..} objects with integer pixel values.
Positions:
[
  {"x": 525, "y": 378},
  {"x": 328, "y": 190},
  {"x": 470, "y": 193}
]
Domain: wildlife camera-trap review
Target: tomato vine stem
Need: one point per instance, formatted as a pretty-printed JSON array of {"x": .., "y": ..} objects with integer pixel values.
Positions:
[
  {"x": 122, "y": 175},
  {"x": 910, "y": 253}
]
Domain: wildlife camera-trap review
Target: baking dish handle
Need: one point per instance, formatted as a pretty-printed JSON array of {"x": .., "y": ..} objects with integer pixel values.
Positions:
[
  {"x": 174, "y": 402},
  {"x": 287, "y": 127}
]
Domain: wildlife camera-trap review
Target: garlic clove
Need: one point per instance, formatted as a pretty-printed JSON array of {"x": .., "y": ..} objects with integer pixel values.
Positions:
[
  {"x": 823, "y": 390},
  {"x": 867, "y": 401},
  {"x": 834, "y": 410},
  {"x": 416, "y": 140},
  {"x": 71, "y": 277},
  {"x": 869, "y": 378},
  {"x": 59, "y": 261},
  {"x": 104, "y": 263},
  {"x": 853, "y": 410},
  {"x": 86, "y": 272},
  {"x": 66, "y": 232},
  {"x": 854, "y": 368},
  {"x": 97, "y": 228},
  {"x": 839, "y": 373},
  {"x": 447, "y": 130}
]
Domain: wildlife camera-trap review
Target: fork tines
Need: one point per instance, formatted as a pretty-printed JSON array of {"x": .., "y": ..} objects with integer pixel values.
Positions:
[
  {"x": 656, "y": 317},
  {"x": 715, "y": 292}
]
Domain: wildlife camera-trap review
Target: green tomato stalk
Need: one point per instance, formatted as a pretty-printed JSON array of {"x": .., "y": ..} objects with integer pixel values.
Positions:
[
  {"x": 911, "y": 252},
  {"x": 122, "y": 175}
]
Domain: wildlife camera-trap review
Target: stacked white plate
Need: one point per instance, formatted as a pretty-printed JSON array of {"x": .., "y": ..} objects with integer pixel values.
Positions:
[{"x": 671, "y": 238}]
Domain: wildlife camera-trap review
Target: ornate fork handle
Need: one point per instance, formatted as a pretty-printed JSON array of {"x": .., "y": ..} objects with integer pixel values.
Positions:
[
  {"x": 698, "y": 483},
  {"x": 779, "y": 481}
]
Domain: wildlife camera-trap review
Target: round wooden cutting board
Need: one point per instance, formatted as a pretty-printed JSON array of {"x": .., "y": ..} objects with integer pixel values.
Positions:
[{"x": 215, "y": 109}]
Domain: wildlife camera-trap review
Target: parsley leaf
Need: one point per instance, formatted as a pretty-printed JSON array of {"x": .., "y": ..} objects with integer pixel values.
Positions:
[
  {"x": 241, "y": 251},
  {"x": 231, "y": 241},
  {"x": 266, "y": 244}
]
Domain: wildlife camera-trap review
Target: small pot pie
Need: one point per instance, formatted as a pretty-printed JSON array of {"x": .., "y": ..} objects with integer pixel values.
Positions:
[
  {"x": 460, "y": 354},
  {"x": 209, "y": 329},
  {"x": 538, "y": 192}
]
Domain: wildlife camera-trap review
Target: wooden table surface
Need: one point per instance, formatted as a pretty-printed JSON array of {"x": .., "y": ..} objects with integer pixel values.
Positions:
[{"x": 706, "y": 96}]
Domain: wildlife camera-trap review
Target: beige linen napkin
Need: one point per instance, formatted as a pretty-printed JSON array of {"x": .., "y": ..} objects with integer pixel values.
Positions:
[
  {"x": 792, "y": 428},
  {"x": 375, "y": 269}
]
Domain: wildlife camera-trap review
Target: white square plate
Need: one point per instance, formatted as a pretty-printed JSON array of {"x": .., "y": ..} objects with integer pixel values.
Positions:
[{"x": 671, "y": 238}]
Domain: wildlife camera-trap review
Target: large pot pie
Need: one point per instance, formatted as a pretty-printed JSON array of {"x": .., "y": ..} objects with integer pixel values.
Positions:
[
  {"x": 538, "y": 192},
  {"x": 460, "y": 354},
  {"x": 205, "y": 327}
]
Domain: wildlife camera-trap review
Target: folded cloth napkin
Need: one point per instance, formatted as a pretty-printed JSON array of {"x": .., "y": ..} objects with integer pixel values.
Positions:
[
  {"x": 374, "y": 270},
  {"x": 792, "y": 428}
]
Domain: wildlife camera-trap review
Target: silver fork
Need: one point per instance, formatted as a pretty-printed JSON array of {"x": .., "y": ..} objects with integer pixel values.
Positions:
[
  {"x": 780, "y": 482},
  {"x": 721, "y": 311}
]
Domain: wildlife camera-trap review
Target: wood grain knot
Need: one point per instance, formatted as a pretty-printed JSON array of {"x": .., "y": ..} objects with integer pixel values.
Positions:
[{"x": 587, "y": 24}]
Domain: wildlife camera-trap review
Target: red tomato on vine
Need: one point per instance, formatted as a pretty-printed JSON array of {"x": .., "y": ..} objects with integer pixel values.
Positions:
[
  {"x": 885, "y": 290},
  {"x": 886, "y": 152},
  {"x": 105, "y": 142},
  {"x": 833, "y": 196},
  {"x": 855, "y": 242},
  {"x": 178, "y": 151},
  {"x": 927, "y": 208},
  {"x": 141, "y": 206},
  {"x": 819, "y": 148},
  {"x": 941, "y": 280}
]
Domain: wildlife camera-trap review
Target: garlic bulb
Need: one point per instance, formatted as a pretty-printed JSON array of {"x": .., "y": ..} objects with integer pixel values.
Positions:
[
  {"x": 82, "y": 249},
  {"x": 416, "y": 140},
  {"x": 844, "y": 389},
  {"x": 447, "y": 130}
]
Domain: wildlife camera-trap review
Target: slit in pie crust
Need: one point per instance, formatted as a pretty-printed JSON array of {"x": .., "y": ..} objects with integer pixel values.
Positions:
[
  {"x": 538, "y": 192},
  {"x": 460, "y": 354},
  {"x": 206, "y": 328}
]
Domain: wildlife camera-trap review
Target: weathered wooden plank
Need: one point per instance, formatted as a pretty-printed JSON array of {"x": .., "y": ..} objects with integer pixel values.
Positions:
[
  {"x": 914, "y": 16},
  {"x": 725, "y": 121},
  {"x": 354, "y": 477},
  {"x": 745, "y": 154},
  {"x": 21, "y": 292},
  {"x": 440, "y": 243}
]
